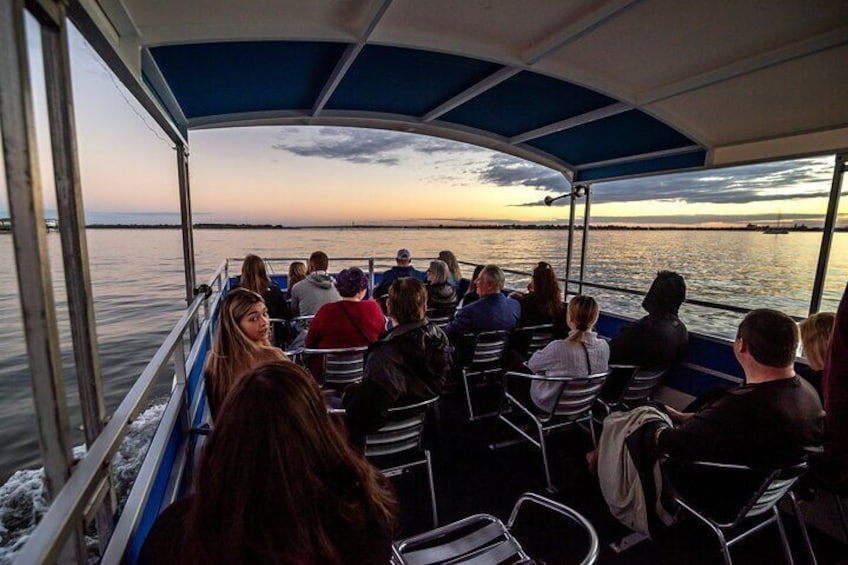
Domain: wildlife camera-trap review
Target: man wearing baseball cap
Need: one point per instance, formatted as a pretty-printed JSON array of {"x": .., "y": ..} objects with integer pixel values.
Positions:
[{"x": 403, "y": 268}]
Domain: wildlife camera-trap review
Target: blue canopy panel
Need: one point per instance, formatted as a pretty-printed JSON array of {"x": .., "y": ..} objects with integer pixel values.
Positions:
[{"x": 214, "y": 79}]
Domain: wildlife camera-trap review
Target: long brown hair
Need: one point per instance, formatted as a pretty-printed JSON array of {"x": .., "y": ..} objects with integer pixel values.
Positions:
[
  {"x": 278, "y": 481},
  {"x": 453, "y": 265},
  {"x": 583, "y": 311},
  {"x": 233, "y": 353},
  {"x": 254, "y": 276},
  {"x": 546, "y": 288}
]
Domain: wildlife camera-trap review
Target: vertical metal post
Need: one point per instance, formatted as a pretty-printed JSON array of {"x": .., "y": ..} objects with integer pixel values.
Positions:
[
  {"x": 371, "y": 275},
  {"x": 187, "y": 231},
  {"x": 839, "y": 170},
  {"x": 29, "y": 235},
  {"x": 585, "y": 242},
  {"x": 74, "y": 246},
  {"x": 573, "y": 205}
]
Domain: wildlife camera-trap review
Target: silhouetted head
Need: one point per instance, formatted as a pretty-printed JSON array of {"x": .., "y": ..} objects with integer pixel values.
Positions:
[
  {"x": 582, "y": 312},
  {"x": 351, "y": 282},
  {"x": 254, "y": 276},
  {"x": 771, "y": 337},
  {"x": 318, "y": 261},
  {"x": 667, "y": 293},
  {"x": 453, "y": 265},
  {"x": 815, "y": 336},
  {"x": 407, "y": 300},
  {"x": 438, "y": 272}
]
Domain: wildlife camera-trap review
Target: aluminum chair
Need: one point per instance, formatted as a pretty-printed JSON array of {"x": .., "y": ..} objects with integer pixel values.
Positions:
[
  {"x": 538, "y": 337},
  {"x": 340, "y": 366},
  {"x": 573, "y": 407},
  {"x": 485, "y": 363},
  {"x": 640, "y": 385},
  {"x": 483, "y": 538},
  {"x": 397, "y": 446},
  {"x": 441, "y": 316},
  {"x": 760, "y": 507}
]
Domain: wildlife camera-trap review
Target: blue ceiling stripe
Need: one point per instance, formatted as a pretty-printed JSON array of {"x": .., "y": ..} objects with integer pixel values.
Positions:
[
  {"x": 405, "y": 81},
  {"x": 673, "y": 162},
  {"x": 622, "y": 135},
  {"x": 525, "y": 102},
  {"x": 223, "y": 78}
]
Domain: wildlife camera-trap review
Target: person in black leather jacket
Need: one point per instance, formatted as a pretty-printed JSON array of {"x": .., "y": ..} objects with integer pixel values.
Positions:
[
  {"x": 659, "y": 339},
  {"x": 408, "y": 365}
]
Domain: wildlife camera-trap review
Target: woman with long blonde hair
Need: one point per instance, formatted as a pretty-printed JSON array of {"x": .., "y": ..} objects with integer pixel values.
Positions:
[
  {"x": 241, "y": 343},
  {"x": 581, "y": 353}
]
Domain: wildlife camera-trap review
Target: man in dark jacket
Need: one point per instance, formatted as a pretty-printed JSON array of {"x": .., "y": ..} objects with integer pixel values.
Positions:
[
  {"x": 408, "y": 365},
  {"x": 659, "y": 339},
  {"x": 403, "y": 268}
]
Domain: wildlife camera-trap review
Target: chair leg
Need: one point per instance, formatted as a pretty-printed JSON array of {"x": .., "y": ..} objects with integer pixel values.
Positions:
[
  {"x": 432, "y": 490},
  {"x": 811, "y": 556},
  {"x": 467, "y": 396},
  {"x": 725, "y": 551},
  {"x": 550, "y": 488},
  {"x": 592, "y": 429},
  {"x": 787, "y": 551}
]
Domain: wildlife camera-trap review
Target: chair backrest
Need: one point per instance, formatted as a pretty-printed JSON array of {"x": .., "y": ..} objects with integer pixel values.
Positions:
[
  {"x": 489, "y": 348},
  {"x": 578, "y": 394},
  {"x": 642, "y": 384},
  {"x": 342, "y": 366},
  {"x": 441, "y": 316},
  {"x": 302, "y": 322},
  {"x": 538, "y": 337},
  {"x": 402, "y": 432},
  {"x": 767, "y": 487}
]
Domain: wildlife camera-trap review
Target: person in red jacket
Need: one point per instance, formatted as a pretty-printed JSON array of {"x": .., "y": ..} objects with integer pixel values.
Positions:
[{"x": 350, "y": 322}]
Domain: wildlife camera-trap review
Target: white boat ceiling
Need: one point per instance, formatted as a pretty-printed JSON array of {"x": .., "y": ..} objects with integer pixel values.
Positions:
[{"x": 595, "y": 89}]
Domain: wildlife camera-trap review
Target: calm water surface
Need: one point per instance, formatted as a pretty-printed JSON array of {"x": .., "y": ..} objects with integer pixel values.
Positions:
[{"x": 138, "y": 287}]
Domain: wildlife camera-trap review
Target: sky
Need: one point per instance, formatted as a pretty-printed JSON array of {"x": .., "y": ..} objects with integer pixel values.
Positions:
[{"x": 342, "y": 176}]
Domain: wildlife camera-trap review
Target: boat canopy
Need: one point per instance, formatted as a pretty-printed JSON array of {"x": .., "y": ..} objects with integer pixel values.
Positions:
[{"x": 596, "y": 89}]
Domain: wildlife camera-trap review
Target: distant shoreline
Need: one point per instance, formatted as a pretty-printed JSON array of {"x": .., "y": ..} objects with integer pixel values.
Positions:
[{"x": 610, "y": 227}]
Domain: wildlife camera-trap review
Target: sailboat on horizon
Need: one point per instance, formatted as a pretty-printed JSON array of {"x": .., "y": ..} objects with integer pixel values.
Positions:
[{"x": 779, "y": 229}]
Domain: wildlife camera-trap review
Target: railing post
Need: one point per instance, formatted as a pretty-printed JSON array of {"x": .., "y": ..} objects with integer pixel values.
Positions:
[
  {"x": 60, "y": 106},
  {"x": 29, "y": 235},
  {"x": 839, "y": 170},
  {"x": 572, "y": 199},
  {"x": 371, "y": 275},
  {"x": 584, "y": 243},
  {"x": 186, "y": 217}
]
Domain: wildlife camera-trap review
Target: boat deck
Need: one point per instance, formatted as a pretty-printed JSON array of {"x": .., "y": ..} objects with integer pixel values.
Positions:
[{"x": 470, "y": 478}]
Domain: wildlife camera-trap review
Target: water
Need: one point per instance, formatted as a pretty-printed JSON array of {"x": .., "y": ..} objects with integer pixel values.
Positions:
[{"x": 138, "y": 287}]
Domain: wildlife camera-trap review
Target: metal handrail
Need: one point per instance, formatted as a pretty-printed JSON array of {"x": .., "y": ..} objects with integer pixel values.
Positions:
[{"x": 68, "y": 507}]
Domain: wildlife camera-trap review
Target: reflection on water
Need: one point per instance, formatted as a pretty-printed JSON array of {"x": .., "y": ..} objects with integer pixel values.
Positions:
[{"x": 138, "y": 287}]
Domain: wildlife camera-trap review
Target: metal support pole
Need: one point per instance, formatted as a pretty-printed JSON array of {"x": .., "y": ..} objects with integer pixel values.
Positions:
[
  {"x": 572, "y": 205},
  {"x": 187, "y": 230},
  {"x": 74, "y": 246},
  {"x": 584, "y": 244},
  {"x": 29, "y": 235},
  {"x": 839, "y": 170}
]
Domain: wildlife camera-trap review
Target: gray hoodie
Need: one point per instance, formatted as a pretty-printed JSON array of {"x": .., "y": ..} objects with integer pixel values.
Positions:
[{"x": 311, "y": 293}]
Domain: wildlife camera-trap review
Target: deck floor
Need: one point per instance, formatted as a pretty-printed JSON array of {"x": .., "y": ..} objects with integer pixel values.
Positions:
[{"x": 471, "y": 478}]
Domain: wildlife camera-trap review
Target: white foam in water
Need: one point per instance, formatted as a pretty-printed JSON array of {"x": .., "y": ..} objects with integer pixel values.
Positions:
[{"x": 22, "y": 498}]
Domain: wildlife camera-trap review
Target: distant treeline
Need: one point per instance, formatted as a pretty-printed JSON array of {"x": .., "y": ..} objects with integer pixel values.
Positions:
[{"x": 610, "y": 227}]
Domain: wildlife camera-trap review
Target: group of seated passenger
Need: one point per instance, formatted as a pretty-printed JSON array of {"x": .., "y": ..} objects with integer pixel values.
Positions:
[{"x": 773, "y": 418}]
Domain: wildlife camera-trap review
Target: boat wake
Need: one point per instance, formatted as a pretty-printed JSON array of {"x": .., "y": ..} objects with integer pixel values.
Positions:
[{"x": 23, "y": 501}]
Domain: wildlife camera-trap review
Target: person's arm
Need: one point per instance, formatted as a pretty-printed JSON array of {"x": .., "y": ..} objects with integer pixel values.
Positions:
[
  {"x": 313, "y": 334},
  {"x": 676, "y": 416},
  {"x": 295, "y": 301},
  {"x": 460, "y": 325}
]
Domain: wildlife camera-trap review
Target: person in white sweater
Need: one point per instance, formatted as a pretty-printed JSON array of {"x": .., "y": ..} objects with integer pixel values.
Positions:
[{"x": 580, "y": 354}]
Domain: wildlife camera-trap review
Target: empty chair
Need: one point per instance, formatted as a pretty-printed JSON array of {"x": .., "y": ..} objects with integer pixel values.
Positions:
[
  {"x": 397, "y": 446},
  {"x": 483, "y": 538},
  {"x": 573, "y": 406},
  {"x": 754, "y": 494},
  {"x": 341, "y": 366},
  {"x": 485, "y": 365}
]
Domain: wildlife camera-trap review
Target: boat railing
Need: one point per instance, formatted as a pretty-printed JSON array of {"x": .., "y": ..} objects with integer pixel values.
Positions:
[{"x": 69, "y": 507}]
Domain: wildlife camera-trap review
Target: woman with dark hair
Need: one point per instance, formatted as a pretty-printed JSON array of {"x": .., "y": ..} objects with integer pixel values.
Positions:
[
  {"x": 277, "y": 483},
  {"x": 255, "y": 277},
  {"x": 470, "y": 295},
  {"x": 454, "y": 272},
  {"x": 440, "y": 294},
  {"x": 241, "y": 343},
  {"x": 582, "y": 353},
  {"x": 408, "y": 365},
  {"x": 541, "y": 305}
]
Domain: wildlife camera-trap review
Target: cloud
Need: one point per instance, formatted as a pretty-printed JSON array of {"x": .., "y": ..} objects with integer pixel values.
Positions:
[
  {"x": 367, "y": 146},
  {"x": 506, "y": 170},
  {"x": 737, "y": 185}
]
